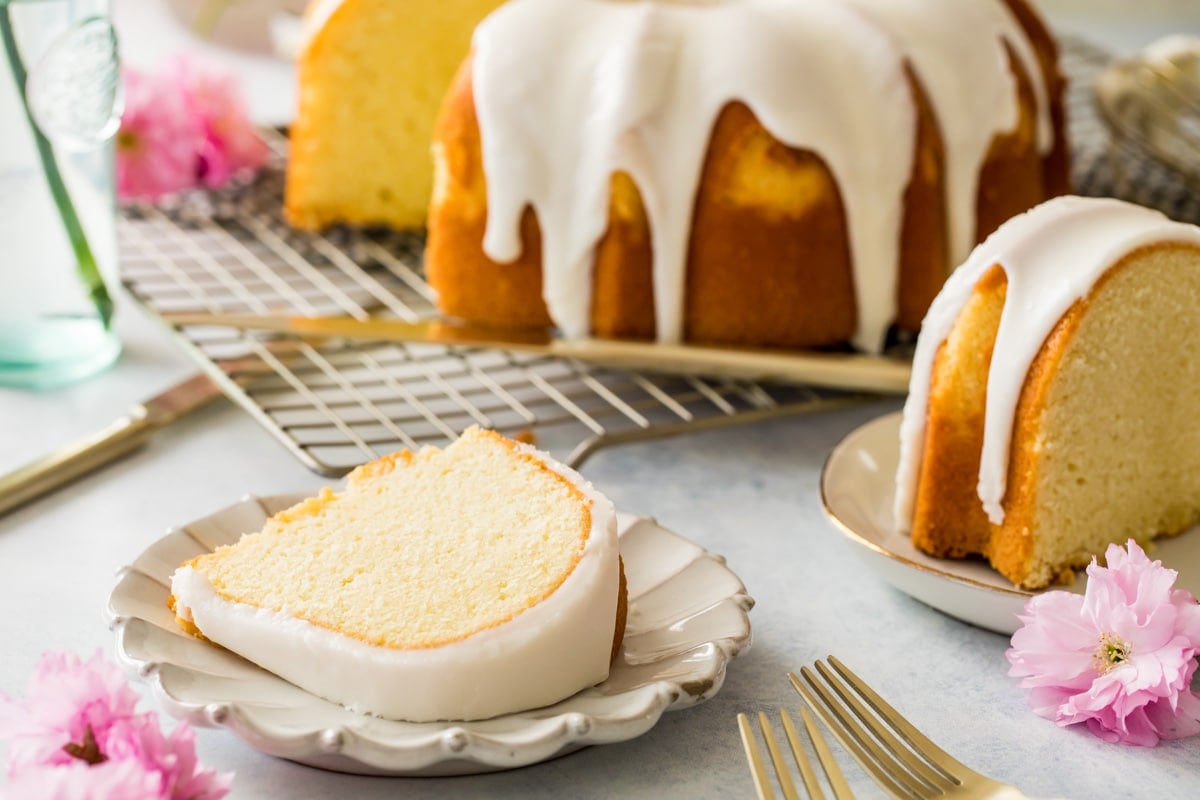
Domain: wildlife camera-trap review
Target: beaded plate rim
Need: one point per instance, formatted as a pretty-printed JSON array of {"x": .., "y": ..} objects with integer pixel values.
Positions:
[{"x": 688, "y": 617}]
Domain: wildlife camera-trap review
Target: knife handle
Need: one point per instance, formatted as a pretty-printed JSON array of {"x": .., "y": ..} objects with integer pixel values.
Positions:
[{"x": 76, "y": 459}]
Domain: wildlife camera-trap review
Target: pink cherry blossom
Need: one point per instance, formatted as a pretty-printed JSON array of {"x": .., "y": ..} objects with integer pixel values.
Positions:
[
  {"x": 183, "y": 127},
  {"x": 77, "y": 735},
  {"x": 157, "y": 141},
  {"x": 1119, "y": 658},
  {"x": 64, "y": 699},
  {"x": 172, "y": 759},
  {"x": 231, "y": 146},
  {"x": 81, "y": 781}
]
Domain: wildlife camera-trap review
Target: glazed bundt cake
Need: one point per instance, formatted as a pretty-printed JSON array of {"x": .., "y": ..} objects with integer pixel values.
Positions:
[
  {"x": 770, "y": 172},
  {"x": 450, "y": 584},
  {"x": 1054, "y": 406},
  {"x": 371, "y": 75}
]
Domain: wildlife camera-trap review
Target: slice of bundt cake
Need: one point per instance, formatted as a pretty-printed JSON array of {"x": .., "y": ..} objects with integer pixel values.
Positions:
[
  {"x": 1055, "y": 397},
  {"x": 450, "y": 584},
  {"x": 371, "y": 75}
]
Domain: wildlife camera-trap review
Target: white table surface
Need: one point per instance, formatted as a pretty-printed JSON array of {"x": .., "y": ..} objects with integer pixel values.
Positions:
[{"x": 749, "y": 493}]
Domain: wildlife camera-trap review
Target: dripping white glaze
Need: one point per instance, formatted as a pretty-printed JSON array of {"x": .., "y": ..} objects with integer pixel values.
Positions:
[
  {"x": 569, "y": 91},
  {"x": 1051, "y": 256},
  {"x": 957, "y": 51}
]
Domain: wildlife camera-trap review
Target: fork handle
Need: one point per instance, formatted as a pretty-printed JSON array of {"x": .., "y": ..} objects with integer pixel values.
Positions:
[{"x": 75, "y": 460}]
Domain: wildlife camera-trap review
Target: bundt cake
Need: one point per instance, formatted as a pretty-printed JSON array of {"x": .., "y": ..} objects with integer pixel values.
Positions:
[
  {"x": 1055, "y": 398},
  {"x": 451, "y": 584},
  {"x": 371, "y": 75},
  {"x": 790, "y": 173}
]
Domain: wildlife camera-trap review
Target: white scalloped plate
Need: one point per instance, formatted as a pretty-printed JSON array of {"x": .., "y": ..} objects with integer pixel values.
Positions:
[
  {"x": 857, "y": 492},
  {"x": 687, "y": 618}
]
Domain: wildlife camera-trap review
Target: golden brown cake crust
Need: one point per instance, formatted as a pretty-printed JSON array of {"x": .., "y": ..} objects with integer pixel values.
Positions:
[
  {"x": 1010, "y": 180},
  {"x": 949, "y": 519},
  {"x": 622, "y": 611},
  {"x": 752, "y": 265},
  {"x": 768, "y": 260},
  {"x": 469, "y": 285},
  {"x": 1010, "y": 548},
  {"x": 188, "y": 626},
  {"x": 313, "y": 507},
  {"x": 1056, "y": 167}
]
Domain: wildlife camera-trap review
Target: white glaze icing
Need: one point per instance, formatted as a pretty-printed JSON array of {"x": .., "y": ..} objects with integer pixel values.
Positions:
[
  {"x": 547, "y": 653},
  {"x": 316, "y": 15},
  {"x": 957, "y": 51},
  {"x": 636, "y": 86},
  {"x": 1052, "y": 255}
]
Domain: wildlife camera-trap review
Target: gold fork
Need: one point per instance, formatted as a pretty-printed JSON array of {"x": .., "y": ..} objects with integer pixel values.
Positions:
[
  {"x": 762, "y": 782},
  {"x": 907, "y": 766}
]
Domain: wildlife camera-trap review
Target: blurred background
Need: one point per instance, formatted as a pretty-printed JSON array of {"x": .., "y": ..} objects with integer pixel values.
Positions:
[{"x": 253, "y": 37}]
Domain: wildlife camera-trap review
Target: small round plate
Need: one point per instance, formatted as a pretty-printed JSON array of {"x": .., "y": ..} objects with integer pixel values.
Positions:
[
  {"x": 687, "y": 618},
  {"x": 857, "y": 492}
]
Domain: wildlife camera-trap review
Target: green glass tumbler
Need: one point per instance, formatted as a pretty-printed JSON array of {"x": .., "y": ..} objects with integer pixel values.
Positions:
[{"x": 59, "y": 109}]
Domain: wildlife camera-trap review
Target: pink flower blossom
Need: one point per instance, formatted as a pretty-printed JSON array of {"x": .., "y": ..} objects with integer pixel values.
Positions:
[
  {"x": 231, "y": 146},
  {"x": 182, "y": 128},
  {"x": 1119, "y": 658},
  {"x": 65, "y": 698},
  {"x": 157, "y": 141},
  {"x": 81, "y": 781},
  {"x": 172, "y": 759},
  {"x": 77, "y": 735}
]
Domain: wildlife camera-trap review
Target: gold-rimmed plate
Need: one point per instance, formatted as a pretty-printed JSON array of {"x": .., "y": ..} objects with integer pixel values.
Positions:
[{"x": 857, "y": 493}]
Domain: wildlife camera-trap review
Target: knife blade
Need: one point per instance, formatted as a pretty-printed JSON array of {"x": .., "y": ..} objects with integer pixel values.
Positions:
[
  {"x": 835, "y": 370},
  {"x": 119, "y": 438}
]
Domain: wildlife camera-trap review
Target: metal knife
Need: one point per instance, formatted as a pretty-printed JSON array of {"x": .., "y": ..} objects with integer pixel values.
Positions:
[
  {"x": 117, "y": 439},
  {"x": 838, "y": 370}
]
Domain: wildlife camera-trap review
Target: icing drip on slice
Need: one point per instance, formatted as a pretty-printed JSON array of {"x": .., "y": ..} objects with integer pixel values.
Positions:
[
  {"x": 569, "y": 91},
  {"x": 1052, "y": 256}
]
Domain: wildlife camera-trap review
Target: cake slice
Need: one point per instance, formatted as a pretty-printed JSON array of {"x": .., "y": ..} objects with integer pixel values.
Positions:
[
  {"x": 1055, "y": 400},
  {"x": 371, "y": 75},
  {"x": 458, "y": 584}
]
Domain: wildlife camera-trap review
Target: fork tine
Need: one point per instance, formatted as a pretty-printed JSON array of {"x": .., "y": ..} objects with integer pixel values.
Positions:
[
  {"x": 762, "y": 784},
  {"x": 914, "y": 761},
  {"x": 951, "y": 767},
  {"x": 837, "y": 781},
  {"x": 883, "y": 772},
  {"x": 781, "y": 768},
  {"x": 807, "y": 773}
]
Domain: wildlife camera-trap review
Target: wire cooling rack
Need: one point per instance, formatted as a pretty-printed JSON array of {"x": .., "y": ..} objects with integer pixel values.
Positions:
[
  {"x": 1104, "y": 165},
  {"x": 336, "y": 406},
  {"x": 339, "y": 405}
]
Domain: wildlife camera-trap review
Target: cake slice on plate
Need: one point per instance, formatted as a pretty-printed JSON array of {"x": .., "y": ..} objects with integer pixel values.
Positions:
[
  {"x": 1055, "y": 398},
  {"x": 459, "y": 584}
]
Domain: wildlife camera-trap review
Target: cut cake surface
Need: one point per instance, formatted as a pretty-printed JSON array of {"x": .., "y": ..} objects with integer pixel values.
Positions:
[
  {"x": 1054, "y": 407},
  {"x": 428, "y": 578}
]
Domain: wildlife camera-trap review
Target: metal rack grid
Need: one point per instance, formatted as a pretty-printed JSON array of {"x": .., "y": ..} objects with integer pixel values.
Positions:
[
  {"x": 1105, "y": 165},
  {"x": 339, "y": 404}
]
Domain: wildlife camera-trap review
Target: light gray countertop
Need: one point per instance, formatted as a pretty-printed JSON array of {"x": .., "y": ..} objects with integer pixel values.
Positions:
[{"x": 747, "y": 492}]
